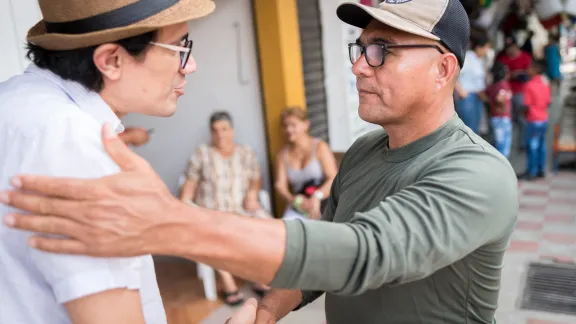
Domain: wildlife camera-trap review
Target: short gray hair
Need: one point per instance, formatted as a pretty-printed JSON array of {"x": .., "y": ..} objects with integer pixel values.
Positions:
[{"x": 220, "y": 115}]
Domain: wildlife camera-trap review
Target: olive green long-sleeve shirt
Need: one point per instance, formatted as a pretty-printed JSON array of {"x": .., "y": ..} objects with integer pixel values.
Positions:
[{"x": 411, "y": 235}]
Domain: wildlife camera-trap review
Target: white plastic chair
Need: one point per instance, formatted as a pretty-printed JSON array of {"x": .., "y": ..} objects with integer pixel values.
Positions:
[{"x": 207, "y": 273}]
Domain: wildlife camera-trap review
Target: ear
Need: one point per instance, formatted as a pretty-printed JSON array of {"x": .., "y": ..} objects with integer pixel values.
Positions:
[
  {"x": 108, "y": 58},
  {"x": 447, "y": 71}
]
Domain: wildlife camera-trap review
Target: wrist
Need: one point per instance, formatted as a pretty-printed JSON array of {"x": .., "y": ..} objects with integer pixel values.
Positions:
[
  {"x": 297, "y": 203},
  {"x": 280, "y": 302},
  {"x": 252, "y": 194},
  {"x": 174, "y": 232}
]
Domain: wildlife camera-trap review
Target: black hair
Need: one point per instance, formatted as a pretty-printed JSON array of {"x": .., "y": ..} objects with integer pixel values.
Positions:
[
  {"x": 78, "y": 64},
  {"x": 499, "y": 72},
  {"x": 510, "y": 41},
  {"x": 220, "y": 115},
  {"x": 478, "y": 40},
  {"x": 554, "y": 37}
]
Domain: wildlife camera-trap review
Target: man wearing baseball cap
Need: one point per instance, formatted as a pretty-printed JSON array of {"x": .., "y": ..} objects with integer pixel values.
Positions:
[
  {"x": 416, "y": 224},
  {"x": 93, "y": 62}
]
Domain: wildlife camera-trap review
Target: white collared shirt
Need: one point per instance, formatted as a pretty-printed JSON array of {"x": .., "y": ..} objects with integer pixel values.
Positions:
[{"x": 49, "y": 126}]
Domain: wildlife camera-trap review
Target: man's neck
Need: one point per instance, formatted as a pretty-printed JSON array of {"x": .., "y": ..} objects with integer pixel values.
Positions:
[{"x": 418, "y": 127}]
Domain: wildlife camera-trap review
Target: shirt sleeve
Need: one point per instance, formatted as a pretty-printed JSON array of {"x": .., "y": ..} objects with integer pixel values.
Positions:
[
  {"x": 195, "y": 165},
  {"x": 309, "y": 296},
  {"x": 72, "y": 147},
  {"x": 467, "y": 199},
  {"x": 253, "y": 165}
]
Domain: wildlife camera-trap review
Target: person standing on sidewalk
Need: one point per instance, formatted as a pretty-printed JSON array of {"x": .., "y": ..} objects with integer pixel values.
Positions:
[
  {"x": 417, "y": 221},
  {"x": 499, "y": 95},
  {"x": 472, "y": 83},
  {"x": 537, "y": 99},
  {"x": 518, "y": 63}
]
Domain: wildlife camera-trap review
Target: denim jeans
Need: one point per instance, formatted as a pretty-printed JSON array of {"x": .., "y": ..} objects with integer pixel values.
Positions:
[
  {"x": 502, "y": 129},
  {"x": 536, "y": 147},
  {"x": 469, "y": 109}
]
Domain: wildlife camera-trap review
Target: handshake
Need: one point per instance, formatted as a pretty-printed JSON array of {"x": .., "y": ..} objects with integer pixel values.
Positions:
[{"x": 250, "y": 313}]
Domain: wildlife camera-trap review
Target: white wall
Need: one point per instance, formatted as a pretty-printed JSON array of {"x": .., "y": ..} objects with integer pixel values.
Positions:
[
  {"x": 16, "y": 17},
  {"x": 344, "y": 124}
]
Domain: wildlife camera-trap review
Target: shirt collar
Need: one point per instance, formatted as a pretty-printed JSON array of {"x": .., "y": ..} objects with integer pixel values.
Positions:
[{"x": 87, "y": 100}]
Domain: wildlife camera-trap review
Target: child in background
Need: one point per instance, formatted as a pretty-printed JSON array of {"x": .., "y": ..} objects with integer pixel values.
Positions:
[
  {"x": 537, "y": 98},
  {"x": 500, "y": 101}
]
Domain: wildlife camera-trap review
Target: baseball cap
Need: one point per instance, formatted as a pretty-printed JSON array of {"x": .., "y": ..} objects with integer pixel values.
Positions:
[{"x": 445, "y": 21}]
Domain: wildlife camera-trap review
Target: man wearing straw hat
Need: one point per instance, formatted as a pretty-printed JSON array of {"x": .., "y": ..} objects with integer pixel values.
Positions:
[
  {"x": 93, "y": 62},
  {"x": 416, "y": 224}
]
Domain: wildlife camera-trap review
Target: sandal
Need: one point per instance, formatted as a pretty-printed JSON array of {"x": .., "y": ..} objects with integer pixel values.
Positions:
[
  {"x": 260, "y": 291},
  {"x": 234, "y": 298}
]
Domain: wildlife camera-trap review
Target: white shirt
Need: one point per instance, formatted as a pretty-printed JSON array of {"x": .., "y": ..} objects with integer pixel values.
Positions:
[
  {"x": 473, "y": 74},
  {"x": 49, "y": 126}
]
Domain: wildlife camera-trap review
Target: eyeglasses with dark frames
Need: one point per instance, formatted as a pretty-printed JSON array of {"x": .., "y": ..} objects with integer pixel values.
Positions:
[
  {"x": 375, "y": 54},
  {"x": 185, "y": 51}
]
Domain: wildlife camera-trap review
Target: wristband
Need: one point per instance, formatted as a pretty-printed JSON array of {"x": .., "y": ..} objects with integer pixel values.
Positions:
[{"x": 297, "y": 203}]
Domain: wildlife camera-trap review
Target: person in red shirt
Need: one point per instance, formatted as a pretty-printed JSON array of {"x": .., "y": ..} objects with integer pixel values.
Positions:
[
  {"x": 537, "y": 99},
  {"x": 499, "y": 95},
  {"x": 518, "y": 63}
]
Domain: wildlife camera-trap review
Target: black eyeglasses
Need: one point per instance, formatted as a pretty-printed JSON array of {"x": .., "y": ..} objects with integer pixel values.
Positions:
[
  {"x": 185, "y": 51},
  {"x": 376, "y": 53},
  {"x": 185, "y": 56}
]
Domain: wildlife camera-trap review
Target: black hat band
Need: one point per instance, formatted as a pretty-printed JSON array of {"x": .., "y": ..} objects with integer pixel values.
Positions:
[{"x": 120, "y": 17}]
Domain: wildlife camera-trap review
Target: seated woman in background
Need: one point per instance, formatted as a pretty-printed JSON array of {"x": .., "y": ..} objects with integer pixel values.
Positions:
[
  {"x": 225, "y": 176},
  {"x": 305, "y": 168}
]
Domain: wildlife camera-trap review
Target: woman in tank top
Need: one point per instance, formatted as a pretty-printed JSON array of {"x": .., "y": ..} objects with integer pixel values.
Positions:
[{"x": 305, "y": 168}]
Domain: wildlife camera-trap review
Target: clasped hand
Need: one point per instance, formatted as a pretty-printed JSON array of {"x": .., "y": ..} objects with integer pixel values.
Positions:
[{"x": 250, "y": 313}]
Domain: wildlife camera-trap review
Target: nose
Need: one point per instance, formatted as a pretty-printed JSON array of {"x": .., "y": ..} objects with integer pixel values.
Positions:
[
  {"x": 190, "y": 66},
  {"x": 361, "y": 67}
]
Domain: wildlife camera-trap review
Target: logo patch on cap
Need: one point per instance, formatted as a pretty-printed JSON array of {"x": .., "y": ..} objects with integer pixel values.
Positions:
[{"x": 397, "y": 1}]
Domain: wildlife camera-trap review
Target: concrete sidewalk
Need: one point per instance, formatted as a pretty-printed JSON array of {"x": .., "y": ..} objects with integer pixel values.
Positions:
[{"x": 546, "y": 231}]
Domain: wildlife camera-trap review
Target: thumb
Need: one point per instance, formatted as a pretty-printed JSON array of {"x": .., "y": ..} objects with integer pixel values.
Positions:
[
  {"x": 247, "y": 314},
  {"x": 119, "y": 152}
]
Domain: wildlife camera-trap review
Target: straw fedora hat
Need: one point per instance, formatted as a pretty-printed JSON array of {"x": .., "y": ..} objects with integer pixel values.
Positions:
[{"x": 73, "y": 24}]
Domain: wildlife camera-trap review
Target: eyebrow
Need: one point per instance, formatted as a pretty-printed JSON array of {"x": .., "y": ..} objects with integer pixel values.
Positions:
[
  {"x": 378, "y": 40},
  {"x": 177, "y": 42}
]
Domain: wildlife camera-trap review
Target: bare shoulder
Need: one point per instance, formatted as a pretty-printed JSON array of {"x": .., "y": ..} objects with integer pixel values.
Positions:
[
  {"x": 323, "y": 144},
  {"x": 323, "y": 149}
]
